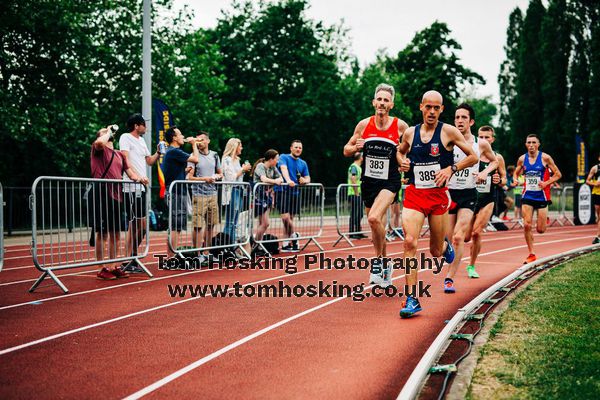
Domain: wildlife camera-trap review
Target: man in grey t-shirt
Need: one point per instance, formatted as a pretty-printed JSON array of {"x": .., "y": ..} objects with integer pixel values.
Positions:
[{"x": 205, "y": 207}]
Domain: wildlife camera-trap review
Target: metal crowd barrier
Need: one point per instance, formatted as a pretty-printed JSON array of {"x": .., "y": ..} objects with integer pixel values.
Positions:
[
  {"x": 73, "y": 218},
  {"x": 206, "y": 217},
  {"x": 349, "y": 207},
  {"x": 275, "y": 207},
  {"x": 1, "y": 227},
  {"x": 563, "y": 219},
  {"x": 350, "y": 215},
  {"x": 558, "y": 204}
]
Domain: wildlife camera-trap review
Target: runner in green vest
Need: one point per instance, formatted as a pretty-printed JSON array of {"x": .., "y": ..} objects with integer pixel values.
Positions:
[{"x": 355, "y": 198}]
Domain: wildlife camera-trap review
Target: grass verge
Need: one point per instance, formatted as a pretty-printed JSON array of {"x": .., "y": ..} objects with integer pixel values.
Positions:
[{"x": 547, "y": 344}]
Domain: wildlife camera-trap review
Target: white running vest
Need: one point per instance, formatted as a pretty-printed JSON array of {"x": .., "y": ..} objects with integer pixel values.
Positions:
[{"x": 466, "y": 178}]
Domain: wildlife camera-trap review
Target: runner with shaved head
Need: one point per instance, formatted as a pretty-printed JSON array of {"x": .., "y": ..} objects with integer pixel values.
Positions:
[{"x": 426, "y": 155}]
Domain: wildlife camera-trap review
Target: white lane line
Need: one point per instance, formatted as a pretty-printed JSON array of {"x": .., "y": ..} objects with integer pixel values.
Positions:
[
  {"x": 63, "y": 296},
  {"x": 145, "y": 311},
  {"x": 190, "y": 367},
  {"x": 148, "y": 310},
  {"x": 92, "y": 258}
]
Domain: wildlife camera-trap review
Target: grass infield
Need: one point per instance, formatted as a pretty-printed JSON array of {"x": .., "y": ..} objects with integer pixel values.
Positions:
[{"x": 546, "y": 344}]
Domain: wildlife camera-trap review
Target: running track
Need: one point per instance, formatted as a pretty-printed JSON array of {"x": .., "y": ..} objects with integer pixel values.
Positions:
[{"x": 130, "y": 338}]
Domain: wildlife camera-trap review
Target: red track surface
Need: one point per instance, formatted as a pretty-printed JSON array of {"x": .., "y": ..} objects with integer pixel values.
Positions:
[{"x": 116, "y": 338}]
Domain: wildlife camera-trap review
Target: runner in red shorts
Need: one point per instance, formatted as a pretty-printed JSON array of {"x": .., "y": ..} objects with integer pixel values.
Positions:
[{"x": 427, "y": 156}]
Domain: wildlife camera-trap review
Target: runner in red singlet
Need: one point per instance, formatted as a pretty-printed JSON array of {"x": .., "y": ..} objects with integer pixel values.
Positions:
[{"x": 378, "y": 137}]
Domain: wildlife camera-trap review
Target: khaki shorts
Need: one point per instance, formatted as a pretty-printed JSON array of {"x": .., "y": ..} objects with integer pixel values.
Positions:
[{"x": 205, "y": 211}]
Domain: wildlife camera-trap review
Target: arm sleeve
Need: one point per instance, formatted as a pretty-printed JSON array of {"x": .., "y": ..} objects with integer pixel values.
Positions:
[
  {"x": 304, "y": 171},
  {"x": 259, "y": 171},
  {"x": 282, "y": 161},
  {"x": 181, "y": 156},
  {"x": 125, "y": 143}
]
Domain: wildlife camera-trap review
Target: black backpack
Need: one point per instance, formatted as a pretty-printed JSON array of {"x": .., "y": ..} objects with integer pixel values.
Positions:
[
  {"x": 272, "y": 247},
  {"x": 225, "y": 253}
]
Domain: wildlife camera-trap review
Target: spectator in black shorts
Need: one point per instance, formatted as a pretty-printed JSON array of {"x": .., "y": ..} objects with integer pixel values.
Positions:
[
  {"x": 134, "y": 148},
  {"x": 174, "y": 169},
  {"x": 265, "y": 171},
  {"x": 294, "y": 171},
  {"x": 105, "y": 200}
]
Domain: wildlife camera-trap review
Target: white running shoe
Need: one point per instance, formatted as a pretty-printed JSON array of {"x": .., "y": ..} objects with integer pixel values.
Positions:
[
  {"x": 388, "y": 270},
  {"x": 376, "y": 277}
]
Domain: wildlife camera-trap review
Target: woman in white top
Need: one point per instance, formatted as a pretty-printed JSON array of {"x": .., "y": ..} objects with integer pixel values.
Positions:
[{"x": 233, "y": 195}]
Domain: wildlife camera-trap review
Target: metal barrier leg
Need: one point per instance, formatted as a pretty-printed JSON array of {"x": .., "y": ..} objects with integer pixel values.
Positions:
[
  {"x": 243, "y": 250},
  {"x": 142, "y": 266},
  {"x": 54, "y": 278},
  {"x": 316, "y": 244},
  {"x": 343, "y": 236}
]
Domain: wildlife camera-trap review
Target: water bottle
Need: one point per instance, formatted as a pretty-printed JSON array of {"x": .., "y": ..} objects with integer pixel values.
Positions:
[
  {"x": 162, "y": 147},
  {"x": 112, "y": 129}
]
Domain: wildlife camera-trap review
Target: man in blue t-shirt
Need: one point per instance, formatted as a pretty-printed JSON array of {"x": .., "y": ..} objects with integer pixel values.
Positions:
[
  {"x": 174, "y": 168},
  {"x": 287, "y": 198}
]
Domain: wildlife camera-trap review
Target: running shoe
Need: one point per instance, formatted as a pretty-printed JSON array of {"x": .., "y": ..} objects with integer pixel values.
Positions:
[
  {"x": 596, "y": 240},
  {"x": 132, "y": 267},
  {"x": 410, "y": 307},
  {"x": 530, "y": 258},
  {"x": 376, "y": 277},
  {"x": 290, "y": 248},
  {"x": 449, "y": 286},
  {"x": 106, "y": 275},
  {"x": 388, "y": 270},
  {"x": 449, "y": 253},
  {"x": 119, "y": 273},
  {"x": 471, "y": 271}
]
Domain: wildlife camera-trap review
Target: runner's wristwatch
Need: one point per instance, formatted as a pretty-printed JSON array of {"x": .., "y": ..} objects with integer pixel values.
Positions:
[{"x": 454, "y": 168}]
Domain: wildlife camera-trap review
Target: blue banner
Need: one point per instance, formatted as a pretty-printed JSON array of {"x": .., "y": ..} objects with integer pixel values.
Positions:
[{"x": 163, "y": 120}]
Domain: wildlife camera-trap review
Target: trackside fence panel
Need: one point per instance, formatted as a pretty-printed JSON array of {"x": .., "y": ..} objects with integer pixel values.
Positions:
[
  {"x": 288, "y": 215},
  {"x": 205, "y": 217},
  {"x": 80, "y": 222}
]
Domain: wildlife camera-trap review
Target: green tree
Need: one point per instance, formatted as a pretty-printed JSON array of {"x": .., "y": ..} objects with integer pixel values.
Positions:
[
  {"x": 593, "y": 10},
  {"x": 507, "y": 81},
  {"x": 283, "y": 79},
  {"x": 527, "y": 116},
  {"x": 555, "y": 53},
  {"x": 70, "y": 67},
  {"x": 430, "y": 61},
  {"x": 578, "y": 104},
  {"x": 485, "y": 111}
]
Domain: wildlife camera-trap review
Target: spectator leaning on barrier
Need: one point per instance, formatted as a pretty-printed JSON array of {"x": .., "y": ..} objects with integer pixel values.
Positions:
[
  {"x": 265, "y": 171},
  {"x": 205, "y": 207},
  {"x": 233, "y": 195},
  {"x": 134, "y": 148},
  {"x": 108, "y": 163},
  {"x": 287, "y": 199},
  {"x": 354, "y": 196},
  {"x": 174, "y": 169}
]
